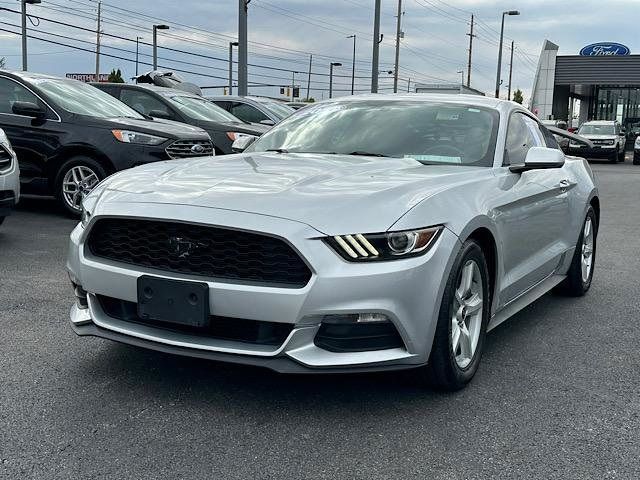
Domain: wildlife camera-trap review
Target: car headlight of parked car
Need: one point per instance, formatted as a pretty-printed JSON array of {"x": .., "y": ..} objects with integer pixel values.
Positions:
[
  {"x": 128, "y": 136},
  {"x": 233, "y": 136},
  {"x": 636, "y": 145},
  {"x": 384, "y": 246}
]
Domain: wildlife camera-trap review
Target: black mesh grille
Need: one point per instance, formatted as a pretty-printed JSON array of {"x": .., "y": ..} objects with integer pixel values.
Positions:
[{"x": 199, "y": 250}]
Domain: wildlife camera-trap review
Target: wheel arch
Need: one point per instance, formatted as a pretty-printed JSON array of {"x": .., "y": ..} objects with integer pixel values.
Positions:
[
  {"x": 595, "y": 203},
  {"x": 68, "y": 152}
]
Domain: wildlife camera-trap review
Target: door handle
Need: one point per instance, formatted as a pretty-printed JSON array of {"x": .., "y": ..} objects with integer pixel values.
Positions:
[{"x": 564, "y": 185}]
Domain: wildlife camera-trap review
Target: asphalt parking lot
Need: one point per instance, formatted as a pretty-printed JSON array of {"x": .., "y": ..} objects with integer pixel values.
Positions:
[{"x": 557, "y": 394}]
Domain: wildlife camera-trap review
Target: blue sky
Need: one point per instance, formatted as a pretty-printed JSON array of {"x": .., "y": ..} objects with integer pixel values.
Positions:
[{"x": 283, "y": 33}]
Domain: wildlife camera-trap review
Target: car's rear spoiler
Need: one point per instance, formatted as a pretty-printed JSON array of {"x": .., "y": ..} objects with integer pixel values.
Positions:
[{"x": 571, "y": 136}]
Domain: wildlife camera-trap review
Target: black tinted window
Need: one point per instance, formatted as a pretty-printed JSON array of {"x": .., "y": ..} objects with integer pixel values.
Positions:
[
  {"x": 248, "y": 113},
  {"x": 11, "y": 92},
  {"x": 143, "y": 102}
]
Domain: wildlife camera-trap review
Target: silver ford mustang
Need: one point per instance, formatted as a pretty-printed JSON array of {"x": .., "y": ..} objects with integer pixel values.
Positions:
[{"x": 367, "y": 233}]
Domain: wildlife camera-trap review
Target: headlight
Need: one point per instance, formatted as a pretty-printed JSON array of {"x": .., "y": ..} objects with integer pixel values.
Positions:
[
  {"x": 384, "y": 246},
  {"x": 637, "y": 143},
  {"x": 233, "y": 136},
  {"x": 4, "y": 140},
  {"x": 127, "y": 136}
]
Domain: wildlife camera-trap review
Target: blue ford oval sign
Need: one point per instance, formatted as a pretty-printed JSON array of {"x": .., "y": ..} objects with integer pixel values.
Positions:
[{"x": 604, "y": 48}]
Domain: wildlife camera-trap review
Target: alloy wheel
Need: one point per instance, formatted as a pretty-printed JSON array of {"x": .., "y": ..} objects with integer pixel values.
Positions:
[
  {"x": 587, "y": 250},
  {"x": 466, "y": 319},
  {"x": 76, "y": 184}
]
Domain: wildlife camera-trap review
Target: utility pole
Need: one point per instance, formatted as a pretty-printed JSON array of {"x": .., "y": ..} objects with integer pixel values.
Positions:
[
  {"x": 353, "y": 64},
  {"x": 471, "y": 37},
  {"x": 155, "y": 43},
  {"x": 510, "y": 71},
  {"x": 293, "y": 83},
  {"x": 309, "y": 75},
  {"x": 376, "y": 48},
  {"x": 97, "y": 79},
  {"x": 408, "y": 85},
  {"x": 137, "y": 43},
  {"x": 231, "y": 45},
  {"x": 399, "y": 35},
  {"x": 242, "y": 47},
  {"x": 24, "y": 35}
]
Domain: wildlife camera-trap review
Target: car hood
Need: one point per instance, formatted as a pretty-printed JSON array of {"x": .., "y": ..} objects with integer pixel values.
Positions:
[
  {"x": 335, "y": 194},
  {"x": 240, "y": 127},
  {"x": 165, "y": 128}
]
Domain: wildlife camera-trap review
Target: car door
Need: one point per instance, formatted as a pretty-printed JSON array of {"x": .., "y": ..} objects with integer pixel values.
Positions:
[
  {"x": 533, "y": 213},
  {"x": 34, "y": 140}
]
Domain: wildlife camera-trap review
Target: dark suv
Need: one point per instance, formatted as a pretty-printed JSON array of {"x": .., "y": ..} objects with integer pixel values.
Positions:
[
  {"x": 69, "y": 135},
  {"x": 186, "y": 107}
]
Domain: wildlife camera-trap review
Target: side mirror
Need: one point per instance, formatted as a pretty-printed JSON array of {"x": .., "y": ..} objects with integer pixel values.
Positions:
[
  {"x": 160, "y": 114},
  {"x": 28, "y": 109},
  {"x": 243, "y": 142},
  {"x": 267, "y": 122},
  {"x": 539, "y": 158}
]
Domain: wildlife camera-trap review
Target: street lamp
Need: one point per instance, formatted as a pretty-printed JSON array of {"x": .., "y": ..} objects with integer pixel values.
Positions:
[
  {"x": 331, "y": 65},
  {"x": 155, "y": 43},
  {"x": 137, "y": 47},
  {"x": 508, "y": 12},
  {"x": 24, "y": 30},
  {"x": 353, "y": 63},
  {"x": 462, "y": 72},
  {"x": 231, "y": 45}
]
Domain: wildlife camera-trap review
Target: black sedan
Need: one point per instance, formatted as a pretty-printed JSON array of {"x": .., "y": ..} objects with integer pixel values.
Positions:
[
  {"x": 186, "y": 107},
  {"x": 69, "y": 135}
]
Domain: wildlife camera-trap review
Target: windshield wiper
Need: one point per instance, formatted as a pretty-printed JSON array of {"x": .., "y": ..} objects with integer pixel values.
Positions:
[
  {"x": 366, "y": 154},
  {"x": 278, "y": 150}
]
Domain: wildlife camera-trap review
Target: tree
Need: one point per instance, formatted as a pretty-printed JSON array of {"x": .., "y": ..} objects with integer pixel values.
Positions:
[
  {"x": 310, "y": 100},
  {"x": 517, "y": 96},
  {"x": 3, "y": 63},
  {"x": 115, "y": 76}
]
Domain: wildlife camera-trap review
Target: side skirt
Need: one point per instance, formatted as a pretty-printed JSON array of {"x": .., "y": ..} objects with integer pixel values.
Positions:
[{"x": 525, "y": 299}]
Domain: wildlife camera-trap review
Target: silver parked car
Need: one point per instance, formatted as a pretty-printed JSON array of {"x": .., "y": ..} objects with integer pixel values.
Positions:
[
  {"x": 9, "y": 177},
  {"x": 366, "y": 233}
]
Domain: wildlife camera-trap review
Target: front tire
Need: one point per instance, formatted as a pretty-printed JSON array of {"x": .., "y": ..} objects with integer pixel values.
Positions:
[
  {"x": 75, "y": 180},
  {"x": 580, "y": 273},
  {"x": 462, "y": 321},
  {"x": 621, "y": 155}
]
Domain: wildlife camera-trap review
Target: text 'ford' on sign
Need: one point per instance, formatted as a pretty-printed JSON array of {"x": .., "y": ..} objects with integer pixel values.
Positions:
[{"x": 604, "y": 49}]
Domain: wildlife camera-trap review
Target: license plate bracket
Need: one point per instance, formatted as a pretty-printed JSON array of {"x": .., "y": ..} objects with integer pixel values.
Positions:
[{"x": 173, "y": 301}]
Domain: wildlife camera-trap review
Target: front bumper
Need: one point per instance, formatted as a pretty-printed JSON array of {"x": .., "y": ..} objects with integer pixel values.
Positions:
[
  {"x": 9, "y": 189},
  {"x": 604, "y": 151},
  {"x": 407, "y": 291}
]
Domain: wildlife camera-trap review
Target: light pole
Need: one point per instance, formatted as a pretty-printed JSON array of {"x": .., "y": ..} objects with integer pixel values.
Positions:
[
  {"x": 137, "y": 50},
  {"x": 24, "y": 31},
  {"x": 155, "y": 43},
  {"x": 462, "y": 72},
  {"x": 231, "y": 45},
  {"x": 353, "y": 64},
  {"x": 331, "y": 65},
  {"x": 508, "y": 12}
]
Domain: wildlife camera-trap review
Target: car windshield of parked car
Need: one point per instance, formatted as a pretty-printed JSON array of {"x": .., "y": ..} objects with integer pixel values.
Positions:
[
  {"x": 597, "y": 130},
  {"x": 279, "y": 110},
  {"x": 82, "y": 99},
  {"x": 429, "y": 132},
  {"x": 199, "y": 108}
]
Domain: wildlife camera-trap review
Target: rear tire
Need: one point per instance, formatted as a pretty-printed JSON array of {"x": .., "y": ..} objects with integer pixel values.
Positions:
[
  {"x": 75, "y": 180},
  {"x": 621, "y": 156},
  {"x": 580, "y": 273},
  {"x": 462, "y": 321}
]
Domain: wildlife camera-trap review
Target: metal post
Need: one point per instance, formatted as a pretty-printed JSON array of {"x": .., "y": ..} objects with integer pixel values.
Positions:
[
  {"x": 509, "y": 12},
  {"x": 471, "y": 36},
  {"x": 408, "y": 85},
  {"x": 398, "y": 33},
  {"x": 24, "y": 35},
  {"x": 137, "y": 49},
  {"x": 293, "y": 83},
  {"x": 510, "y": 71},
  {"x": 231, "y": 45},
  {"x": 376, "y": 48},
  {"x": 309, "y": 76},
  {"x": 353, "y": 64},
  {"x": 97, "y": 79},
  {"x": 242, "y": 47},
  {"x": 330, "y": 80},
  {"x": 155, "y": 47}
]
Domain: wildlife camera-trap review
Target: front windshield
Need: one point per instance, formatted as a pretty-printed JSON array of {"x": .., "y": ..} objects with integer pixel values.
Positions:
[
  {"x": 280, "y": 110},
  {"x": 201, "y": 109},
  {"x": 431, "y": 133},
  {"x": 597, "y": 130},
  {"x": 83, "y": 99}
]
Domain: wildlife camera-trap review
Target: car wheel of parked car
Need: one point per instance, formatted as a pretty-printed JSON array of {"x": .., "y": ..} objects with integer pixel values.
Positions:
[
  {"x": 75, "y": 179},
  {"x": 1, "y": 220},
  {"x": 621, "y": 156},
  {"x": 580, "y": 274},
  {"x": 462, "y": 322},
  {"x": 636, "y": 160}
]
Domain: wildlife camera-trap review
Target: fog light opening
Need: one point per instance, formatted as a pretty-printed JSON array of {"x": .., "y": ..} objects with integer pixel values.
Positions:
[
  {"x": 351, "y": 318},
  {"x": 81, "y": 296}
]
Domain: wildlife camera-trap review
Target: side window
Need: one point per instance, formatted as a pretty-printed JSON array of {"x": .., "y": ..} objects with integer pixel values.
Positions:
[
  {"x": 549, "y": 139},
  {"x": 522, "y": 134},
  {"x": 11, "y": 92},
  {"x": 143, "y": 102},
  {"x": 225, "y": 105},
  {"x": 248, "y": 113}
]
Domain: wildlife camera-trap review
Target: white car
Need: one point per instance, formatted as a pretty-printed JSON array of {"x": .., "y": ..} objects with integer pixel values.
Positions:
[
  {"x": 366, "y": 233},
  {"x": 9, "y": 177}
]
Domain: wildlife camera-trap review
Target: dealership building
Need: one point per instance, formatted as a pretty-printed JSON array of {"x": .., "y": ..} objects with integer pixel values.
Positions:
[{"x": 601, "y": 83}]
